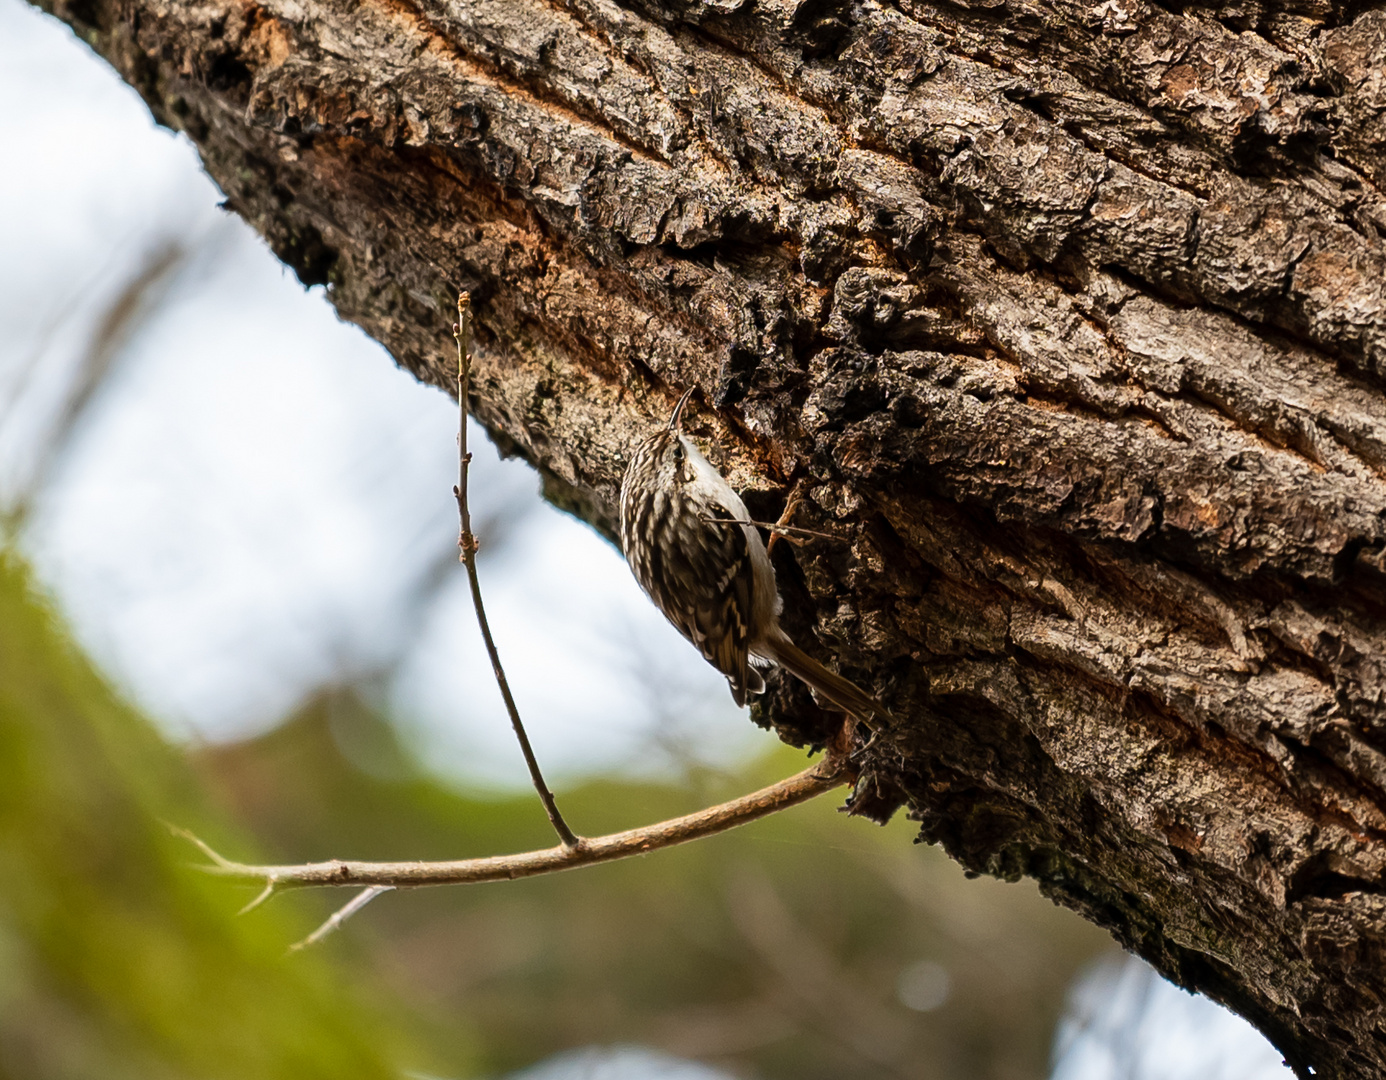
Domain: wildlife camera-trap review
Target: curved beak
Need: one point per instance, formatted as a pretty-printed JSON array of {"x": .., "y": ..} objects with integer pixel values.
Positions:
[{"x": 678, "y": 409}]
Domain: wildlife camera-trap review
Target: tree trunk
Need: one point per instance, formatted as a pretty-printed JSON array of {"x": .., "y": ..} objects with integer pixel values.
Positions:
[{"x": 1069, "y": 317}]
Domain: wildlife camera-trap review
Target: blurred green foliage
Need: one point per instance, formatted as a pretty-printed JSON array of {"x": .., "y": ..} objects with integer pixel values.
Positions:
[
  {"x": 117, "y": 959},
  {"x": 794, "y": 947}
]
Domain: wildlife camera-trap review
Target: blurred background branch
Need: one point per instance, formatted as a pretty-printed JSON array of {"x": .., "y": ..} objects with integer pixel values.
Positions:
[{"x": 146, "y": 287}]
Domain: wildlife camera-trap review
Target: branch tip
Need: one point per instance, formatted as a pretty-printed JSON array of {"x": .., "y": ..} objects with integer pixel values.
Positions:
[{"x": 197, "y": 841}]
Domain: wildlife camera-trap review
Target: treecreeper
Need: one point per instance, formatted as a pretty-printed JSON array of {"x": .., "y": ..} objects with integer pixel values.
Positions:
[{"x": 693, "y": 549}]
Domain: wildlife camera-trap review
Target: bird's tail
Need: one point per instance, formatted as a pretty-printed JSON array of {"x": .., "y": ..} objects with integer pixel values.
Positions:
[{"x": 845, "y": 694}]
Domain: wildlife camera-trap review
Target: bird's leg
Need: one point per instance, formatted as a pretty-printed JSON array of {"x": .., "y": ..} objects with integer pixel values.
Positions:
[{"x": 779, "y": 529}]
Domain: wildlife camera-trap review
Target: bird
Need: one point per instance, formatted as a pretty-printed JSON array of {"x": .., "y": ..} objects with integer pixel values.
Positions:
[{"x": 691, "y": 546}]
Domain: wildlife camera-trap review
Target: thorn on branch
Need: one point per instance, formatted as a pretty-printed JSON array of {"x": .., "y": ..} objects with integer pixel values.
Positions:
[
  {"x": 341, "y": 915},
  {"x": 270, "y": 885}
]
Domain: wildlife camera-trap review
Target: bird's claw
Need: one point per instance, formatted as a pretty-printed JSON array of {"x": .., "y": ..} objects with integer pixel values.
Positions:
[{"x": 776, "y": 533}]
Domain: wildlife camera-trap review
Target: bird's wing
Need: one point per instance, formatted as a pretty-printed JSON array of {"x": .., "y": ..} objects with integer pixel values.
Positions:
[{"x": 717, "y": 575}]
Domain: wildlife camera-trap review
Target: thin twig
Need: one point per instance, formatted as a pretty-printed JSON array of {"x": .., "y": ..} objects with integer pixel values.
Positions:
[
  {"x": 830, "y": 772},
  {"x": 468, "y": 545},
  {"x": 341, "y": 915},
  {"x": 774, "y": 528}
]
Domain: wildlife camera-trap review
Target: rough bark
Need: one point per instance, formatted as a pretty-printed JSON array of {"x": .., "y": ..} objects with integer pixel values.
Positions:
[{"x": 1070, "y": 316}]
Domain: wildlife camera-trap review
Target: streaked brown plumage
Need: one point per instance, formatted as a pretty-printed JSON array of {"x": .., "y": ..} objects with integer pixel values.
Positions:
[{"x": 714, "y": 581}]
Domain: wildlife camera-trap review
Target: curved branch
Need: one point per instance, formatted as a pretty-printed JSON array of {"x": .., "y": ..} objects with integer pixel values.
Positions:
[{"x": 831, "y": 772}]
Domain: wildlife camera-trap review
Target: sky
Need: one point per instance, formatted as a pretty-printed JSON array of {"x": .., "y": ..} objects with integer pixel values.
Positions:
[
  {"x": 257, "y": 503},
  {"x": 1124, "y": 1022}
]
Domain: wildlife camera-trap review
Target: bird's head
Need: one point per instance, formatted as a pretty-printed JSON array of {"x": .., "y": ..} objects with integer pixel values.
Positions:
[{"x": 666, "y": 451}]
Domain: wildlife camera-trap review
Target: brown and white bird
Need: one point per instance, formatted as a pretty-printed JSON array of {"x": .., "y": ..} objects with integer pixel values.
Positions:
[{"x": 686, "y": 538}]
